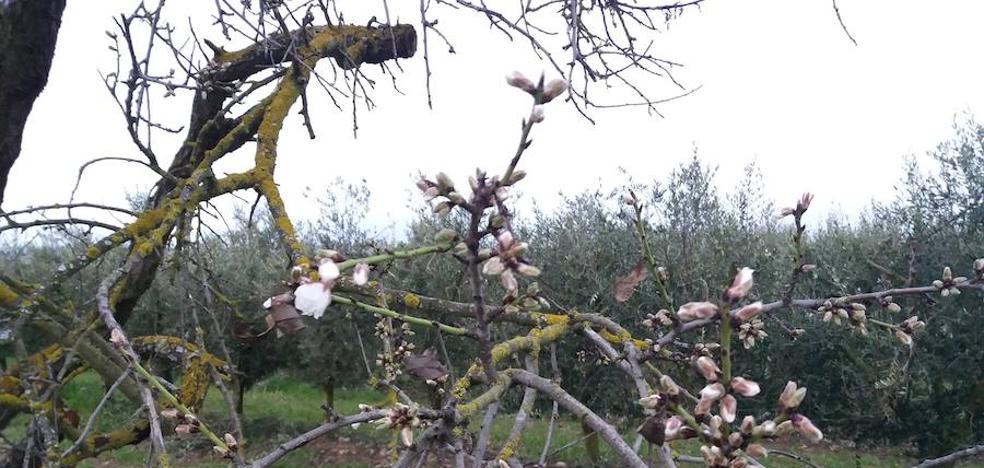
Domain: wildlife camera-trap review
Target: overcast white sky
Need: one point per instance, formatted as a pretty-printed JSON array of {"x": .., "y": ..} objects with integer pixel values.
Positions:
[{"x": 781, "y": 85}]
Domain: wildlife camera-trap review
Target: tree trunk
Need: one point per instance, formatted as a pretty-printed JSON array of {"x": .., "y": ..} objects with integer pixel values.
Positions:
[{"x": 28, "y": 31}]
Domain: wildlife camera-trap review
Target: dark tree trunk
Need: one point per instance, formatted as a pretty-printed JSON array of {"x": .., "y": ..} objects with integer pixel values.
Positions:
[{"x": 28, "y": 31}]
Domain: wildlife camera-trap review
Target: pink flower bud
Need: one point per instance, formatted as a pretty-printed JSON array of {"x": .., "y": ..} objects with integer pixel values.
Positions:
[
  {"x": 791, "y": 396},
  {"x": 554, "y": 88},
  {"x": 708, "y": 368},
  {"x": 756, "y": 450},
  {"x": 740, "y": 286},
  {"x": 518, "y": 80},
  {"x": 806, "y": 428},
  {"x": 360, "y": 275},
  {"x": 508, "y": 281},
  {"x": 526, "y": 269},
  {"x": 745, "y": 387},
  {"x": 747, "y": 424},
  {"x": 672, "y": 427},
  {"x": 651, "y": 401},
  {"x": 904, "y": 337},
  {"x": 493, "y": 266},
  {"x": 669, "y": 386},
  {"x": 406, "y": 436},
  {"x": 696, "y": 310},
  {"x": 431, "y": 193},
  {"x": 537, "y": 115},
  {"x": 703, "y": 406},
  {"x": 712, "y": 391},
  {"x": 729, "y": 408},
  {"x": 748, "y": 312},
  {"x": 804, "y": 201}
]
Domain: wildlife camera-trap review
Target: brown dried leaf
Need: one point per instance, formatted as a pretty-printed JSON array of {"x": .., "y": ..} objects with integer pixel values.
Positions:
[
  {"x": 625, "y": 286},
  {"x": 286, "y": 319},
  {"x": 426, "y": 365}
]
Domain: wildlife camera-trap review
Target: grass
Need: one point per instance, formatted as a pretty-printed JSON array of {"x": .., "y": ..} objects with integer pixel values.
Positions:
[{"x": 280, "y": 408}]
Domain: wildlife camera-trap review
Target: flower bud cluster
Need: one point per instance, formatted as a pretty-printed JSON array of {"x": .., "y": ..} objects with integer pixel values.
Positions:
[
  {"x": 854, "y": 313},
  {"x": 507, "y": 260},
  {"x": 947, "y": 285}
]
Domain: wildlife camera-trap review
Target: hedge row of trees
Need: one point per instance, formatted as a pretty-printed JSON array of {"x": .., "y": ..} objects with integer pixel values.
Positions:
[{"x": 872, "y": 389}]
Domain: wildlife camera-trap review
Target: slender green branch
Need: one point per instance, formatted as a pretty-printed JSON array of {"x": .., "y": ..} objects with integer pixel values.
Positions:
[
  {"x": 400, "y": 254},
  {"x": 404, "y": 317}
]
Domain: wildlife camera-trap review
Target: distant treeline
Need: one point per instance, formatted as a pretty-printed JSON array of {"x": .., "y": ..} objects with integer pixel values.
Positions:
[{"x": 863, "y": 388}]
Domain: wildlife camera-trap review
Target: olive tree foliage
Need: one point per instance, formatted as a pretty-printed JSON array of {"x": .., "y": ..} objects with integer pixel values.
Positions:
[{"x": 460, "y": 322}]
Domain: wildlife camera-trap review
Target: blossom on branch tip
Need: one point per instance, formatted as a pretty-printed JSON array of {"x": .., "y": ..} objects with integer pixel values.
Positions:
[
  {"x": 537, "y": 115},
  {"x": 696, "y": 310},
  {"x": 328, "y": 270},
  {"x": 740, "y": 286}
]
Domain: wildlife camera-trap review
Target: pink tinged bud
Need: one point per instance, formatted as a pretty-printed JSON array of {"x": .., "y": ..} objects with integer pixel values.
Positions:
[
  {"x": 505, "y": 239},
  {"x": 360, "y": 275},
  {"x": 786, "y": 212},
  {"x": 696, "y": 310},
  {"x": 508, "y": 281},
  {"x": 748, "y": 312},
  {"x": 738, "y": 463},
  {"x": 708, "y": 368},
  {"x": 328, "y": 270},
  {"x": 553, "y": 89},
  {"x": 431, "y": 193},
  {"x": 537, "y": 115},
  {"x": 669, "y": 386},
  {"x": 650, "y": 402},
  {"x": 230, "y": 440},
  {"x": 312, "y": 299},
  {"x": 756, "y": 450},
  {"x": 712, "y": 391},
  {"x": 806, "y": 428},
  {"x": 904, "y": 337},
  {"x": 183, "y": 429},
  {"x": 735, "y": 439},
  {"x": 518, "y": 80},
  {"x": 703, "y": 406},
  {"x": 406, "y": 436},
  {"x": 493, "y": 266},
  {"x": 747, "y": 424},
  {"x": 169, "y": 413},
  {"x": 791, "y": 396},
  {"x": 804, "y": 201},
  {"x": 740, "y": 286},
  {"x": 784, "y": 428},
  {"x": 502, "y": 193},
  {"x": 729, "y": 408},
  {"x": 527, "y": 270},
  {"x": 672, "y": 427},
  {"x": 745, "y": 387},
  {"x": 423, "y": 185}
]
